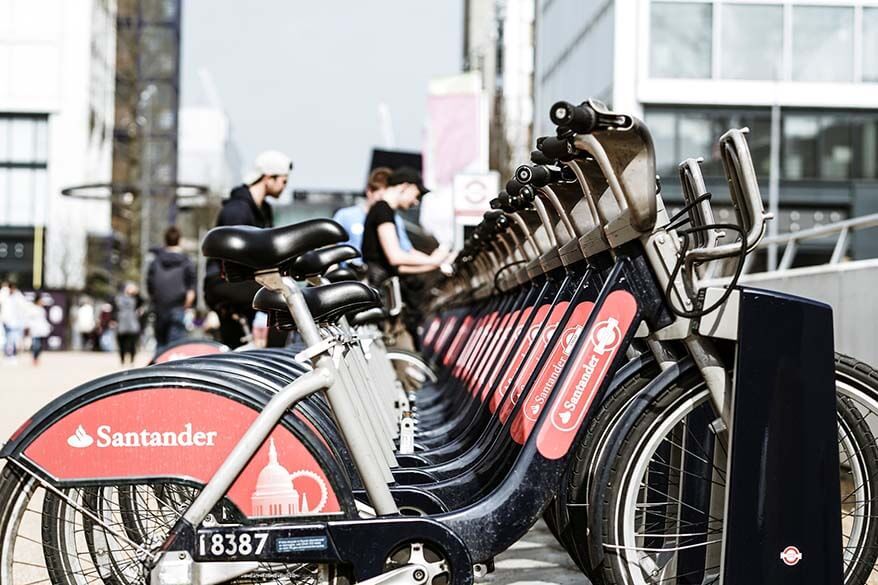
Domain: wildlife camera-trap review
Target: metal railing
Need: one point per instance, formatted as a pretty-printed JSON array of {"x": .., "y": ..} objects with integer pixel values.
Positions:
[{"x": 841, "y": 230}]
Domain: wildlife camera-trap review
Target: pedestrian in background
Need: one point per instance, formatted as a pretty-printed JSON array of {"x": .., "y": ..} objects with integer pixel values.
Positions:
[
  {"x": 84, "y": 324},
  {"x": 381, "y": 247},
  {"x": 126, "y": 315},
  {"x": 4, "y": 294},
  {"x": 247, "y": 205},
  {"x": 104, "y": 335},
  {"x": 384, "y": 256},
  {"x": 353, "y": 218},
  {"x": 170, "y": 283},
  {"x": 39, "y": 328},
  {"x": 2, "y": 329},
  {"x": 13, "y": 317}
]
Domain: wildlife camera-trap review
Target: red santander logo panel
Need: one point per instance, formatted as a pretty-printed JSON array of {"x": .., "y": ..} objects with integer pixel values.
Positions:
[
  {"x": 186, "y": 433},
  {"x": 443, "y": 337},
  {"x": 493, "y": 343},
  {"x": 516, "y": 327},
  {"x": 462, "y": 333},
  {"x": 584, "y": 378},
  {"x": 541, "y": 342},
  {"x": 536, "y": 398},
  {"x": 520, "y": 353},
  {"x": 473, "y": 346},
  {"x": 431, "y": 331}
]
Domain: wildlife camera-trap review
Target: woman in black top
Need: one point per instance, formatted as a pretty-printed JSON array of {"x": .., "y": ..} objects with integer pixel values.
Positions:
[{"x": 381, "y": 249}]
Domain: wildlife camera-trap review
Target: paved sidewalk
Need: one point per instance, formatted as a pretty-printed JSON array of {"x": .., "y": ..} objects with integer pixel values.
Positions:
[
  {"x": 26, "y": 388},
  {"x": 535, "y": 559}
]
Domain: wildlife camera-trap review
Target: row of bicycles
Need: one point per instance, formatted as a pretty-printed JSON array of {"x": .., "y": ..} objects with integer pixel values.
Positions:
[{"x": 589, "y": 364}]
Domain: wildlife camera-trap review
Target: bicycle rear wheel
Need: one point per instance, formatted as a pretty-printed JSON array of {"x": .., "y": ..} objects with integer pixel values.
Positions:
[{"x": 101, "y": 534}]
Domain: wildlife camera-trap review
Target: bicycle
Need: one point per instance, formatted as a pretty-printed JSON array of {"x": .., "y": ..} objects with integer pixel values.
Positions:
[{"x": 203, "y": 528}]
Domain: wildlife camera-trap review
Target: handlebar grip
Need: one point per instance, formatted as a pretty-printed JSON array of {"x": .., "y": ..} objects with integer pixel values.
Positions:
[
  {"x": 517, "y": 202},
  {"x": 556, "y": 148},
  {"x": 538, "y": 158},
  {"x": 524, "y": 174},
  {"x": 581, "y": 119},
  {"x": 527, "y": 194},
  {"x": 505, "y": 201},
  {"x": 537, "y": 176},
  {"x": 513, "y": 186}
]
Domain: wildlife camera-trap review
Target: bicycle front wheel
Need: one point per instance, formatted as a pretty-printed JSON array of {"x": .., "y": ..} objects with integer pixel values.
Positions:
[{"x": 663, "y": 507}]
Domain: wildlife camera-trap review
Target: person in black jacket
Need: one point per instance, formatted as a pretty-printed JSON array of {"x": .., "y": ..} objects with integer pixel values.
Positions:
[
  {"x": 247, "y": 205},
  {"x": 170, "y": 283}
]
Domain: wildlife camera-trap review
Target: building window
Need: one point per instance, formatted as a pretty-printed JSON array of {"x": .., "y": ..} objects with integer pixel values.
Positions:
[
  {"x": 836, "y": 147},
  {"x": 763, "y": 41},
  {"x": 752, "y": 41},
  {"x": 864, "y": 134},
  {"x": 800, "y": 146},
  {"x": 681, "y": 133},
  {"x": 870, "y": 44},
  {"x": 680, "y": 40},
  {"x": 663, "y": 127},
  {"x": 830, "y": 145},
  {"x": 696, "y": 136},
  {"x": 823, "y": 46},
  {"x": 23, "y": 169}
]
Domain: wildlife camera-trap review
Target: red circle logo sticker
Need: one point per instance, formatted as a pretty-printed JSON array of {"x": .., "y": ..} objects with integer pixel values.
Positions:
[{"x": 791, "y": 556}]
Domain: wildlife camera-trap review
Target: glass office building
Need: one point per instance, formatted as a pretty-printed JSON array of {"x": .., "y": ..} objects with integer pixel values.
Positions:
[
  {"x": 803, "y": 76},
  {"x": 57, "y": 70}
]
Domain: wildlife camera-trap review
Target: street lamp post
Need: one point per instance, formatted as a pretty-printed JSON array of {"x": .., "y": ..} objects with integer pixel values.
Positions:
[{"x": 145, "y": 179}]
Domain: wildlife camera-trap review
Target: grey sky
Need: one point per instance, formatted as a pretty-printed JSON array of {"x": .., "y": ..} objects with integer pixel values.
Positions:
[{"x": 306, "y": 77}]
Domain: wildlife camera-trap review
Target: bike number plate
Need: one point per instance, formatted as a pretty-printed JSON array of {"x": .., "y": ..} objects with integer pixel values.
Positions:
[
  {"x": 221, "y": 545},
  {"x": 282, "y": 544}
]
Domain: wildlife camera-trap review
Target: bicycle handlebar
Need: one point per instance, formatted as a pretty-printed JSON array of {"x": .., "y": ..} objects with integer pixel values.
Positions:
[
  {"x": 504, "y": 201},
  {"x": 527, "y": 194},
  {"x": 513, "y": 186},
  {"x": 538, "y": 158},
  {"x": 589, "y": 116},
  {"x": 537, "y": 176},
  {"x": 581, "y": 119},
  {"x": 556, "y": 148}
]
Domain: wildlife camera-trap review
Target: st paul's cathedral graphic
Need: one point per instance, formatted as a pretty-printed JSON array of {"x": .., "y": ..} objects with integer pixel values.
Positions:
[{"x": 276, "y": 494}]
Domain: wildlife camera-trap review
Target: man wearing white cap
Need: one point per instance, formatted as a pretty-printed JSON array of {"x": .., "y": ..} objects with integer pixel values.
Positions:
[{"x": 247, "y": 205}]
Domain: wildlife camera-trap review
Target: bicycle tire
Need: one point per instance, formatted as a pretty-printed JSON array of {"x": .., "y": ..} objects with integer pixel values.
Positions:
[
  {"x": 614, "y": 494},
  {"x": 587, "y": 455},
  {"x": 87, "y": 560}
]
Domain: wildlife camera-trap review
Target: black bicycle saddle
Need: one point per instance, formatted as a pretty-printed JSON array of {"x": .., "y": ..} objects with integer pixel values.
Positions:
[
  {"x": 316, "y": 262},
  {"x": 265, "y": 248},
  {"x": 369, "y": 316},
  {"x": 327, "y": 303},
  {"x": 341, "y": 274}
]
